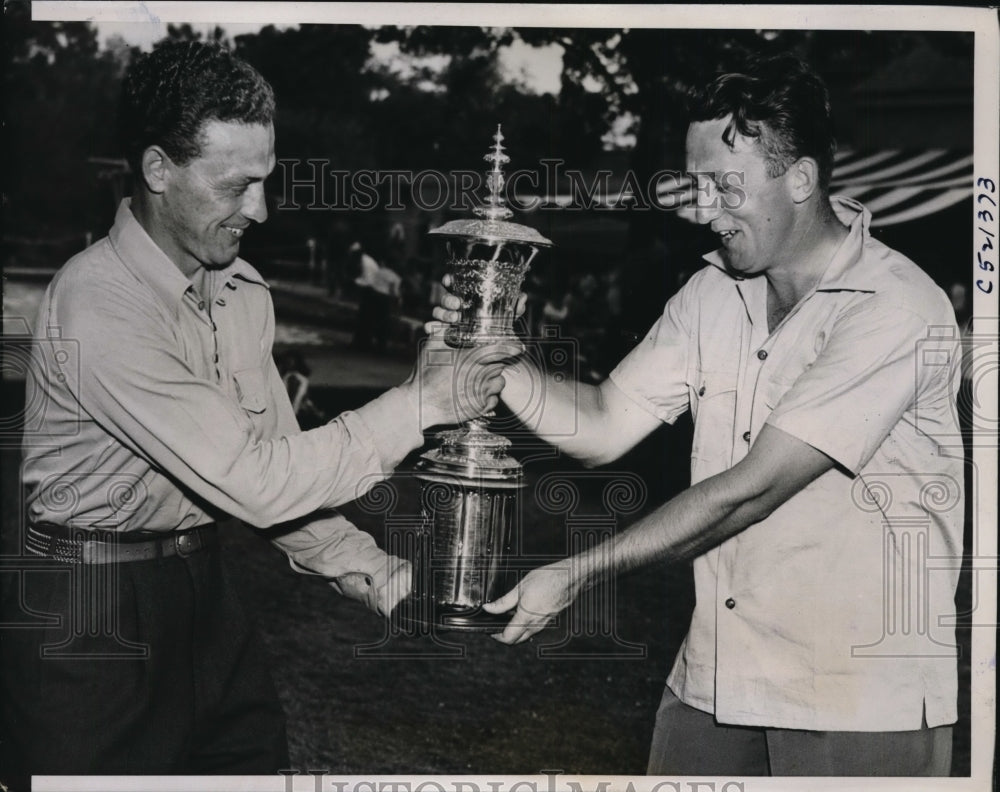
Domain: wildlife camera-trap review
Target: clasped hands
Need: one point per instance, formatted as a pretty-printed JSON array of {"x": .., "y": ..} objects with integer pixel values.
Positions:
[{"x": 454, "y": 385}]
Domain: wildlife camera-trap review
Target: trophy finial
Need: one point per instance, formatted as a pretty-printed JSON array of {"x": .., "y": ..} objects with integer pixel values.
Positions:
[
  {"x": 495, "y": 209},
  {"x": 491, "y": 224}
]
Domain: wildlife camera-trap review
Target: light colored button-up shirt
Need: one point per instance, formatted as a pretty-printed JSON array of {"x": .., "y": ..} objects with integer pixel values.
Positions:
[
  {"x": 154, "y": 408},
  {"x": 836, "y": 612}
]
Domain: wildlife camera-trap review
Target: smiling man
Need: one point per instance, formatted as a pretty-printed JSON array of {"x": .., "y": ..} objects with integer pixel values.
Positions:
[
  {"x": 820, "y": 642},
  {"x": 200, "y": 211},
  {"x": 163, "y": 415}
]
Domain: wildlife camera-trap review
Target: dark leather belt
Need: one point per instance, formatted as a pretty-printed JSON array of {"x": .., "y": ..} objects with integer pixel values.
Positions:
[{"x": 85, "y": 546}]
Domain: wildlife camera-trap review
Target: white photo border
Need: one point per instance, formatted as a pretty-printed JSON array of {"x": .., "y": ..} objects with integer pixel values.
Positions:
[{"x": 982, "y": 22}]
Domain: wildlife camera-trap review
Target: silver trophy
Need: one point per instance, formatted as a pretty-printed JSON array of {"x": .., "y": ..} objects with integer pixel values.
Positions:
[{"x": 469, "y": 486}]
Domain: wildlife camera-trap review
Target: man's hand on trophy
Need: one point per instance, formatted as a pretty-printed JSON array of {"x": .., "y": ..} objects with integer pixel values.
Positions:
[
  {"x": 449, "y": 309},
  {"x": 452, "y": 385},
  {"x": 540, "y": 596}
]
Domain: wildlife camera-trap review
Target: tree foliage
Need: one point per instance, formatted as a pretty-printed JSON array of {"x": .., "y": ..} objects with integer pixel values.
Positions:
[
  {"x": 336, "y": 103},
  {"x": 60, "y": 94}
]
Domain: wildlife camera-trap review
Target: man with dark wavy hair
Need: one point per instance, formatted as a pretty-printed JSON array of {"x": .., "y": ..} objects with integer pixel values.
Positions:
[
  {"x": 820, "y": 643},
  {"x": 162, "y": 416}
]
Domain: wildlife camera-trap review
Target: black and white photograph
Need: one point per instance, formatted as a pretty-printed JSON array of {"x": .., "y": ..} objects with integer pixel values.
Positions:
[{"x": 452, "y": 397}]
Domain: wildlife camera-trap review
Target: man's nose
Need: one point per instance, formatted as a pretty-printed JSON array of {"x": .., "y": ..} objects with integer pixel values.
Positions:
[
  {"x": 707, "y": 206},
  {"x": 706, "y": 214},
  {"x": 254, "y": 205}
]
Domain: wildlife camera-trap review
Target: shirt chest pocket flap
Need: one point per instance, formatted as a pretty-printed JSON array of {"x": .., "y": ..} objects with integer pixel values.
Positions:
[
  {"x": 251, "y": 389},
  {"x": 713, "y": 408},
  {"x": 796, "y": 353},
  {"x": 781, "y": 377}
]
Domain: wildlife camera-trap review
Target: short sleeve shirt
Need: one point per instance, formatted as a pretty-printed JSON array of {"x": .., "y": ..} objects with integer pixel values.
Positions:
[{"x": 836, "y": 612}]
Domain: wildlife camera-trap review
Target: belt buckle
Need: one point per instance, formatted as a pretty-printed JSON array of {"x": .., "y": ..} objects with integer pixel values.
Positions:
[
  {"x": 186, "y": 544},
  {"x": 90, "y": 552}
]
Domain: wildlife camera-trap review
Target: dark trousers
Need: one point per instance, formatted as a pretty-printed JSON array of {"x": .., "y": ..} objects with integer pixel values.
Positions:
[
  {"x": 144, "y": 667},
  {"x": 689, "y": 742}
]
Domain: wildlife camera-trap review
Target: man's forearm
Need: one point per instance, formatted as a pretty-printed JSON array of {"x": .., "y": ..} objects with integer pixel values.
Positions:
[
  {"x": 574, "y": 416},
  {"x": 549, "y": 407},
  {"x": 711, "y": 511},
  {"x": 687, "y": 526}
]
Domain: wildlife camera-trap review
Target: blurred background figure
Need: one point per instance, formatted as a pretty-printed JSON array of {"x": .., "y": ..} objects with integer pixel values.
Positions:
[
  {"x": 386, "y": 293},
  {"x": 379, "y": 290}
]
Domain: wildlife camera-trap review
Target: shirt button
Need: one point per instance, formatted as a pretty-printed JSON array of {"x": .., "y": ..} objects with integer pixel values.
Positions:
[
  {"x": 701, "y": 391},
  {"x": 762, "y": 354},
  {"x": 746, "y": 436},
  {"x": 201, "y": 305},
  {"x": 730, "y": 603},
  {"x": 220, "y": 301}
]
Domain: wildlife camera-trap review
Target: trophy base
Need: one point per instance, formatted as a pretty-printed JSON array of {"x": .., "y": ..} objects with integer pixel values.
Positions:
[{"x": 419, "y": 616}]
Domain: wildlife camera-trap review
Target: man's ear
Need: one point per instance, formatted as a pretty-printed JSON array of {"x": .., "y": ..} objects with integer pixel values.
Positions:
[
  {"x": 802, "y": 179},
  {"x": 156, "y": 167}
]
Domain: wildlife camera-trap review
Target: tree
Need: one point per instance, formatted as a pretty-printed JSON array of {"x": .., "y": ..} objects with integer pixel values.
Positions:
[
  {"x": 319, "y": 78},
  {"x": 60, "y": 92}
]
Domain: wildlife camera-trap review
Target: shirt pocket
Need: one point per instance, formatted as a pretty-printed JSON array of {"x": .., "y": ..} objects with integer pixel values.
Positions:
[
  {"x": 790, "y": 360},
  {"x": 251, "y": 389},
  {"x": 713, "y": 409}
]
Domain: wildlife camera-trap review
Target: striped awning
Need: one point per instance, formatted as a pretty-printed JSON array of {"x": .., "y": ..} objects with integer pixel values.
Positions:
[{"x": 902, "y": 186}]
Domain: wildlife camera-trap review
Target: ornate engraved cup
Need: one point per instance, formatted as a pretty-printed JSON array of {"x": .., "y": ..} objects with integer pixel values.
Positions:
[{"x": 469, "y": 483}]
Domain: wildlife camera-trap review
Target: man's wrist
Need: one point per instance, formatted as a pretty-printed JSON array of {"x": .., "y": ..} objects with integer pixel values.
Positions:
[
  {"x": 427, "y": 414},
  {"x": 590, "y": 568},
  {"x": 522, "y": 385}
]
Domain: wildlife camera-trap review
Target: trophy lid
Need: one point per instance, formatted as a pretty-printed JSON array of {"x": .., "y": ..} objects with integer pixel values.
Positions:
[
  {"x": 492, "y": 225},
  {"x": 492, "y": 232},
  {"x": 474, "y": 452}
]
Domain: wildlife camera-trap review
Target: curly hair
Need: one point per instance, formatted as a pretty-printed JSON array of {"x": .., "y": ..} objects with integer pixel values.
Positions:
[
  {"x": 170, "y": 93},
  {"x": 779, "y": 102}
]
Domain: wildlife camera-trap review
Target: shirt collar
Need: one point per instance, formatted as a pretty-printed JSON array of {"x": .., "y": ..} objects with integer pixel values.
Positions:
[
  {"x": 151, "y": 265},
  {"x": 845, "y": 272}
]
